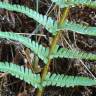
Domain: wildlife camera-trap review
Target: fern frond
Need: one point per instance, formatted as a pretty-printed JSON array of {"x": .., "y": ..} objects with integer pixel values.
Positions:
[
  {"x": 47, "y": 22},
  {"x": 71, "y": 53},
  {"x": 39, "y": 50},
  {"x": 68, "y": 3},
  {"x": 67, "y": 81},
  {"x": 78, "y": 28},
  {"x": 21, "y": 73}
]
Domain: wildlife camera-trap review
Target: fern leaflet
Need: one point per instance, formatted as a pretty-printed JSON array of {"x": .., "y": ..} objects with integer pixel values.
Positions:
[
  {"x": 21, "y": 73},
  {"x": 68, "y": 3},
  {"x": 79, "y": 28},
  {"x": 39, "y": 50},
  {"x": 47, "y": 22},
  {"x": 71, "y": 53},
  {"x": 68, "y": 81}
]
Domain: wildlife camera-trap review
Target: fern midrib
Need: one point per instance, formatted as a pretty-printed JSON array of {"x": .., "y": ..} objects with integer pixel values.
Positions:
[{"x": 52, "y": 46}]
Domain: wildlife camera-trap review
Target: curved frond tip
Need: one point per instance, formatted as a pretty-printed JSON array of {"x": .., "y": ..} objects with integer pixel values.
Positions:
[
  {"x": 68, "y": 3},
  {"x": 39, "y": 50},
  {"x": 21, "y": 73},
  {"x": 67, "y": 81},
  {"x": 47, "y": 22}
]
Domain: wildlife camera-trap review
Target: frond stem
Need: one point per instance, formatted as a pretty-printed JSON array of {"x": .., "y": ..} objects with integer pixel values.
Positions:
[{"x": 52, "y": 46}]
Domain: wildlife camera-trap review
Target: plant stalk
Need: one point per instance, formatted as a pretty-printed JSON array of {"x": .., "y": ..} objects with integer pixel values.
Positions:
[{"x": 52, "y": 46}]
